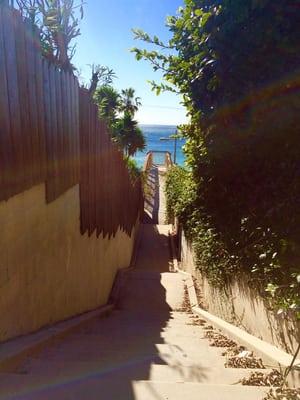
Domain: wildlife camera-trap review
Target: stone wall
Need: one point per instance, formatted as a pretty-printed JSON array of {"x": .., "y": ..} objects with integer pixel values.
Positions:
[
  {"x": 48, "y": 270},
  {"x": 243, "y": 306}
]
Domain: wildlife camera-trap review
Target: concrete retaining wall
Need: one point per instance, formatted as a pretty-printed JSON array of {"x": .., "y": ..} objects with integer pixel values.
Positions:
[
  {"x": 48, "y": 271},
  {"x": 243, "y": 306}
]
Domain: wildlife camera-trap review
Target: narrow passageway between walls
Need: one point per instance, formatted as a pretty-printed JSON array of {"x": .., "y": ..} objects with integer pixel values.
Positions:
[{"x": 148, "y": 348}]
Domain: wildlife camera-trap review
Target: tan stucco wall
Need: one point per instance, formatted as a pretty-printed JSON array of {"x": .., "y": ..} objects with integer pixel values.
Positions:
[
  {"x": 244, "y": 307},
  {"x": 48, "y": 270}
]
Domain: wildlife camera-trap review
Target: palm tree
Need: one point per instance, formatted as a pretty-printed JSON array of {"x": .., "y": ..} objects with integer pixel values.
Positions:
[
  {"x": 128, "y": 102},
  {"x": 137, "y": 142},
  {"x": 107, "y": 100},
  {"x": 128, "y": 135},
  {"x": 124, "y": 129}
]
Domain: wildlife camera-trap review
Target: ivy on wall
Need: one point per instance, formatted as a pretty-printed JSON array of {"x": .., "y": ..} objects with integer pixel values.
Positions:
[{"x": 259, "y": 252}]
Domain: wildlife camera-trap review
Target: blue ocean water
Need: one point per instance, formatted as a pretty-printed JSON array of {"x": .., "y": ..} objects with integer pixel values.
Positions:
[{"x": 153, "y": 134}]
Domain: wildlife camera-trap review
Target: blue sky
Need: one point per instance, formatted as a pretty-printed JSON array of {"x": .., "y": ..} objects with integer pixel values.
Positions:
[{"x": 107, "y": 38}]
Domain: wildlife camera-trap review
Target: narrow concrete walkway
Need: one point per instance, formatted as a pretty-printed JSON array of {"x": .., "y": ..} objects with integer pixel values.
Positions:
[
  {"x": 155, "y": 204},
  {"x": 147, "y": 349}
]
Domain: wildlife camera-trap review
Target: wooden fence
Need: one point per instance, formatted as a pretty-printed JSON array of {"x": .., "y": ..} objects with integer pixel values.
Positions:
[
  {"x": 50, "y": 132},
  {"x": 109, "y": 198}
]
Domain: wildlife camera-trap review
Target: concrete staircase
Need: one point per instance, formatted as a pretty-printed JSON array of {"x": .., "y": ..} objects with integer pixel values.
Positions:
[{"x": 147, "y": 349}]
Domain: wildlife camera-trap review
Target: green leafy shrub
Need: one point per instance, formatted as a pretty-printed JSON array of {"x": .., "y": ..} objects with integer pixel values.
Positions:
[
  {"x": 250, "y": 248},
  {"x": 236, "y": 64},
  {"x": 181, "y": 196},
  {"x": 134, "y": 170},
  {"x": 180, "y": 192}
]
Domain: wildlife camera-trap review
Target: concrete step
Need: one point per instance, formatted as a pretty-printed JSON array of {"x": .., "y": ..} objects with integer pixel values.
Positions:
[
  {"x": 93, "y": 387},
  {"x": 182, "y": 353},
  {"x": 150, "y": 291},
  {"x": 136, "y": 274},
  {"x": 165, "y": 335},
  {"x": 211, "y": 375},
  {"x": 140, "y": 369},
  {"x": 141, "y": 319},
  {"x": 116, "y": 341},
  {"x": 187, "y": 354},
  {"x": 139, "y": 327},
  {"x": 151, "y": 390}
]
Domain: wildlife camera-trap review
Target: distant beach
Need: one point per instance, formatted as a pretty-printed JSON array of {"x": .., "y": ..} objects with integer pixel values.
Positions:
[{"x": 153, "y": 134}]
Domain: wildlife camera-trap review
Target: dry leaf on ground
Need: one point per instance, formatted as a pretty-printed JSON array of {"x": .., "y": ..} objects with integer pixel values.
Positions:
[
  {"x": 283, "y": 394},
  {"x": 257, "y": 378}
]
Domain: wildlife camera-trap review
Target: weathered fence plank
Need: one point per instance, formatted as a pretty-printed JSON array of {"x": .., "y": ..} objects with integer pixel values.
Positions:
[
  {"x": 70, "y": 131},
  {"x": 5, "y": 138},
  {"x": 48, "y": 130},
  {"x": 52, "y": 140},
  {"x": 24, "y": 104},
  {"x": 83, "y": 188},
  {"x": 40, "y": 107},
  {"x": 76, "y": 133},
  {"x": 17, "y": 175},
  {"x": 33, "y": 109}
]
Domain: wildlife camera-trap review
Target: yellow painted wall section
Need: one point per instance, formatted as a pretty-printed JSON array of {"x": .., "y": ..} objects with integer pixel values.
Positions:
[{"x": 48, "y": 270}]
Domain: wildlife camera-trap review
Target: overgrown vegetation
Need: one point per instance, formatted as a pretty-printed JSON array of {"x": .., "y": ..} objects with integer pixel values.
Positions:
[
  {"x": 56, "y": 22},
  {"x": 236, "y": 64},
  {"x": 118, "y": 109},
  {"x": 134, "y": 170}
]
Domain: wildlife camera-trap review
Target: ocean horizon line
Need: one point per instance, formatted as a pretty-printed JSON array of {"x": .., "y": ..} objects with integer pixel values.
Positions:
[{"x": 159, "y": 125}]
